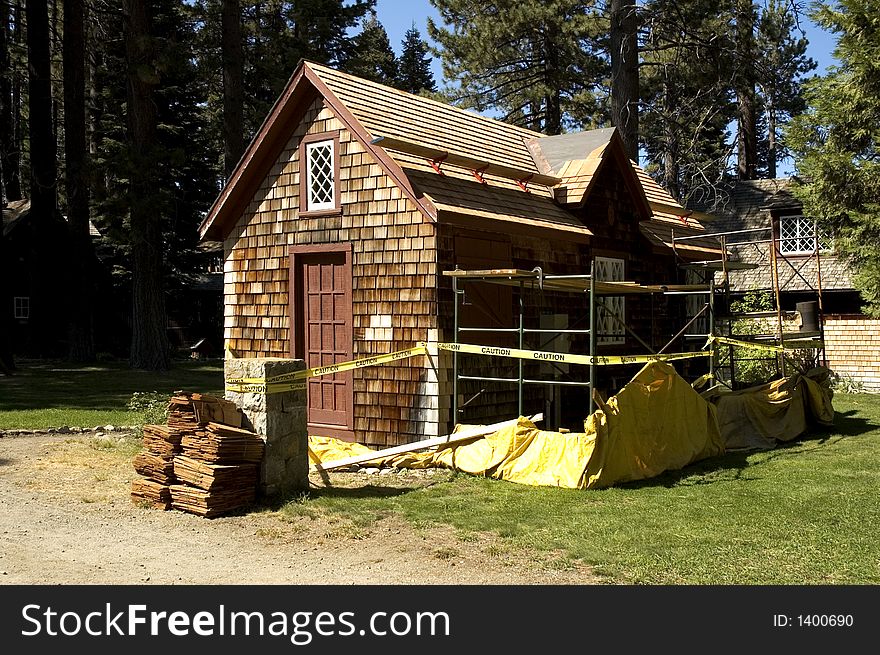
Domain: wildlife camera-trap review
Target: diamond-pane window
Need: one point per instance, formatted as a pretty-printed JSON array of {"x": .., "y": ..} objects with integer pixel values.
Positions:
[
  {"x": 610, "y": 330},
  {"x": 320, "y": 167},
  {"x": 797, "y": 236}
]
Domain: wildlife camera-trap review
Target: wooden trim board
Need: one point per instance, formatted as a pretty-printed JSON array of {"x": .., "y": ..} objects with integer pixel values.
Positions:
[{"x": 433, "y": 442}]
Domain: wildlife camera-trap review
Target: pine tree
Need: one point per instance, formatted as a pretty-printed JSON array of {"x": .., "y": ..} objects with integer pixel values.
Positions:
[
  {"x": 279, "y": 33},
  {"x": 687, "y": 99},
  {"x": 539, "y": 65},
  {"x": 836, "y": 143},
  {"x": 624, "y": 57},
  {"x": 415, "y": 64},
  {"x": 744, "y": 84},
  {"x": 372, "y": 56},
  {"x": 81, "y": 346},
  {"x": 233, "y": 85},
  {"x": 149, "y": 340},
  {"x": 783, "y": 63}
]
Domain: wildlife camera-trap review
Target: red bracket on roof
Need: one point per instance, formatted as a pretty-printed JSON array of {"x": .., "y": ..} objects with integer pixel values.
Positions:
[
  {"x": 684, "y": 217},
  {"x": 478, "y": 173},
  {"x": 523, "y": 183},
  {"x": 435, "y": 163}
]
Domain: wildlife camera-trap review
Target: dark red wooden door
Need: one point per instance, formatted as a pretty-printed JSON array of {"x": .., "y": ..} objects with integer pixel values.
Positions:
[{"x": 326, "y": 330}]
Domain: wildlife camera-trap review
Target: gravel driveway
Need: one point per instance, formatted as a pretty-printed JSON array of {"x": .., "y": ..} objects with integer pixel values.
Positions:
[{"x": 67, "y": 519}]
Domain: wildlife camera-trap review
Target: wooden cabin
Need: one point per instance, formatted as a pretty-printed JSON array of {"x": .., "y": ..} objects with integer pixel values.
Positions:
[{"x": 354, "y": 198}]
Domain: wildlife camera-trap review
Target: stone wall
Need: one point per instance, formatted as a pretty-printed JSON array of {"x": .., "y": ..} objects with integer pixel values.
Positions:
[{"x": 280, "y": 418}]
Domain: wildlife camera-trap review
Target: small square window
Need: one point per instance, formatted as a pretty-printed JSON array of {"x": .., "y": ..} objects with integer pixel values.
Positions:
[
  {"x": 21, "y": 307},
  {"x": 797, "y": 236},
  {"x": 320, "y": 175}
]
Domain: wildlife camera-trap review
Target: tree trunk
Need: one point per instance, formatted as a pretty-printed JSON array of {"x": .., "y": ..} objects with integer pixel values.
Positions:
[
  {"x": 233, "y": 86},
  {"x": 671, "y": 170},
  {"x": 747, "y": 143},
  {"x": 6, "y": 362},
  {"x": 625, "y": 74},
  {"x": 772, "y": 146},
  {"x": 149, "y": 340},
  {"x": 12, "y": 169},
  {"x": 44, "y": 189},
  {"x": 47, "y": 242},
  {"x": 6, "y": 145},
  {"x": 81, "y": 347},
  {"x": 553, "y": 100}
]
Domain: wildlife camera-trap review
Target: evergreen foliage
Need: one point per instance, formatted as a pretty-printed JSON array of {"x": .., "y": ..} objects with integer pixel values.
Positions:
[
  {"x": 781, "y": 70},
  {"x": 687, "y": 96},
  {"x": 537, "y": 64},
  {"x": 837, "y": 143},
  {"x": 415, "y": 74},
  {"x": 371, "y": 56}
]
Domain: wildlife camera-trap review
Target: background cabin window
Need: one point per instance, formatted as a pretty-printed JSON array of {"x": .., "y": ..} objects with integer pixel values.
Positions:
[
  {"x": 694, "y": 304},
  {"x": 609, "y": 330},
  {"x": 21, "y": 307},
  {"x": 796, "y": 236},
  {"x": 321, "y": 182}
]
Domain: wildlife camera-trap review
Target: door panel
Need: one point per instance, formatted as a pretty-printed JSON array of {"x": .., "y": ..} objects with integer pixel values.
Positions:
[{"x": 321, "y": 313}]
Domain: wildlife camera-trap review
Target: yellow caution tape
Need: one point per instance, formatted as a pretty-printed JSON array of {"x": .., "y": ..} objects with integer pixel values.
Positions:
[
  {"x": 262, "y": 387},
  {"x": 296, "y": 381},
  {"x": 281, "y": 383},
  {"x": 567, "y": 358}
]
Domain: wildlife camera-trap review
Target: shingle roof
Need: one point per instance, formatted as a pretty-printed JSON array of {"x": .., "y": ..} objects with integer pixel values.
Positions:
[
  {"x": 750, "y": 204},
  {"x": 375, "y": 112},
  {"x": 385, "y": 111}
]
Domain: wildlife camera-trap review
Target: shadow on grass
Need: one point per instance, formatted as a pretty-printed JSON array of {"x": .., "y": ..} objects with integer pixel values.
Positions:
[
  {"x": 342, "y": 493},
  {"x": 734, "y": 465},
  {"x": 849, "y": 424},
  {"x": 54, "y": 384}
]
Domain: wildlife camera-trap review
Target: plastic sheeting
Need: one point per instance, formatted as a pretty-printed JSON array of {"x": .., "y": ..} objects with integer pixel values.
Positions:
[
  {"x": 760, "y": 417},
  {"x": 657, "y": 422}
]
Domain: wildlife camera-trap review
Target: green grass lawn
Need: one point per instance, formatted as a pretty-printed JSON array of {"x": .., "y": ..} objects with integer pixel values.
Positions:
[
  {"x": 54, "y": 394},
  {"x": 805, "y": 513}
]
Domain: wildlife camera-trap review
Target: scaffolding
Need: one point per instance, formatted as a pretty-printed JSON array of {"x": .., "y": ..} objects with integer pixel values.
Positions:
[
  {"x": 808, "y": 339},
  {"x": 593, "y": 289}
]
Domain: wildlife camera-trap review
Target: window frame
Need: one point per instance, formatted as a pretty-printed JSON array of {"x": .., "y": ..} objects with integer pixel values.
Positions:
[
  {"x": 616, "y": 334},
  {"x": 813, "y": 236},
  {"x": 305, "y": 173},
  {"x": 17, "y": 314}
]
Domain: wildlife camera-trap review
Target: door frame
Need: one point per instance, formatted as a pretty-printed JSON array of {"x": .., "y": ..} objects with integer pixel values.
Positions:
[{"x": 298, "y": 254}]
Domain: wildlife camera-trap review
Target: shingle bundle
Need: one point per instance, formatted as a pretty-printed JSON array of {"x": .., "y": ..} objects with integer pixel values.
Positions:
[{"x": 202, "y": 461}]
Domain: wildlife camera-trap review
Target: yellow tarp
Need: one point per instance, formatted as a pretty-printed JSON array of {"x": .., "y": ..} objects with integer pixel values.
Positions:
[
  {"x": 759, "y": 417},
  {"x": 656, "y": 423}
]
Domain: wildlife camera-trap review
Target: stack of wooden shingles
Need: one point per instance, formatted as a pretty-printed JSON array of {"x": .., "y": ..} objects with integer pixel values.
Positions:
[{"x": 202, "y": 462}]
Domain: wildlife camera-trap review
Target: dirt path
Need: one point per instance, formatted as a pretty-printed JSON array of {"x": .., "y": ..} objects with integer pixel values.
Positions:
[{"x": 67, "y": 519}]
